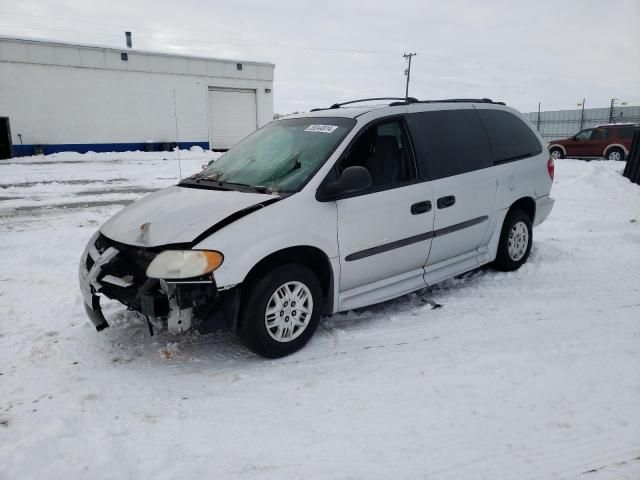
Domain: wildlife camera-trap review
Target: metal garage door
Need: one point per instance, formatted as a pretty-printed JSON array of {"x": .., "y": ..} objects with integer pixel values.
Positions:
[{"x": 232, "y": 116}]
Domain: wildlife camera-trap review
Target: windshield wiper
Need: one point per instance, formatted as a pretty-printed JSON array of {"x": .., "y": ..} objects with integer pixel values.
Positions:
[
  {"x": 256, "y": 188},
  {"x": 196, "y": 181}
]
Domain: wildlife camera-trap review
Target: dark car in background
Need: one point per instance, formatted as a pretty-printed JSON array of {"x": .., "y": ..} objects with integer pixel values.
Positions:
[{"x": 609, "y": 141}]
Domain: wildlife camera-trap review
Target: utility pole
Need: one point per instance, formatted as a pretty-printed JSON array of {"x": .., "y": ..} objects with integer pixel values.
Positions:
[
  {"x": 538, "y": 116},
  {"x": 612, "y": 109},
  {"x": 582, "y": 114},
  {"x": 407, "y": 72}
]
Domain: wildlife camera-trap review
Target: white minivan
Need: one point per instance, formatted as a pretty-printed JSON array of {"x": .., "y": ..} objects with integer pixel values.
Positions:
[{"x": 323, "y": 212}]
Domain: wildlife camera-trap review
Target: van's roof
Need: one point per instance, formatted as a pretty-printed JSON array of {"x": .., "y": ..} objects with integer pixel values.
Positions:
[{"x": 609, "y": 125}]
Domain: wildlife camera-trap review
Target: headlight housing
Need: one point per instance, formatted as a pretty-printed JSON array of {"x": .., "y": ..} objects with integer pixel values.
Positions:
[{"x": 183, "y": 264}]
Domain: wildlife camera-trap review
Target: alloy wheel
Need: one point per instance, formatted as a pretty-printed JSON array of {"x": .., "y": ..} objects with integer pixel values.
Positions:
[
  {"x": 288, "y": 311},
  {"x": 518, "y": 241}
]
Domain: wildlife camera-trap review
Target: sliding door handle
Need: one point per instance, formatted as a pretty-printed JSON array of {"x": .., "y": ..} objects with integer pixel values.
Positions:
[
  {"x": 420, "y": 207},
  {"x": 444, "y": 202}
]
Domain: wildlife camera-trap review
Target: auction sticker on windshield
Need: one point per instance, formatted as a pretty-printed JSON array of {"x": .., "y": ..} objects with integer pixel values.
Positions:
[{"x": 321, "y": 128}]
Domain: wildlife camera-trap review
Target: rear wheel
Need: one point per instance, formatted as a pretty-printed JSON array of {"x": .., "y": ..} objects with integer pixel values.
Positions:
[
  {"x": 616, "y": 154},
  {"x": 282, "y": 311},
  {"x": 556, "y": 153},
  {"x": 516, "y": 239}
]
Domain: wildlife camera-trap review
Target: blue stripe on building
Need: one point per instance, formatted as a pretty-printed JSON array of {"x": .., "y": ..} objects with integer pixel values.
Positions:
[{"x": 26, "y": 150}]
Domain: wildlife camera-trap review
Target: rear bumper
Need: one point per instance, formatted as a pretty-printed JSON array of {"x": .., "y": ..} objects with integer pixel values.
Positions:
[{"x": 544, "y": 205}]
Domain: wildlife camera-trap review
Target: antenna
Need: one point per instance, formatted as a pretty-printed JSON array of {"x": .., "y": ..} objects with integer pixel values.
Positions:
[{"x": 175, "y": 114}]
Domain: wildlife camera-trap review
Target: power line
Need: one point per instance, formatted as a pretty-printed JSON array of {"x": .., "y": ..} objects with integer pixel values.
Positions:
[
  {"x": 157, "y": 35},
  {"x": 175, "y": 36}
]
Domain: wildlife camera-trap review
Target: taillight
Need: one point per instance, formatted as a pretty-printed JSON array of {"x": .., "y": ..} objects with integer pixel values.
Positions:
[{"x": 551, "y": 168}]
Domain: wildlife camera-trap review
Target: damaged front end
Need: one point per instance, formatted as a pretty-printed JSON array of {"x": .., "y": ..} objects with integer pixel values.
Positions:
[{"x": 120, "y": 272}]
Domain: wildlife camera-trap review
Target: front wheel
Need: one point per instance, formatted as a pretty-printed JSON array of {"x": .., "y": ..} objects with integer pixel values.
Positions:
[
  {"x": 515, "y": 241},
  {"x": 282, "y": 311}
]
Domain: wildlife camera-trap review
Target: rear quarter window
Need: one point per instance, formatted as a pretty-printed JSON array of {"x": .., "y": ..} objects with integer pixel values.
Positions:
[
  {"x": 449, "y": 142},
  {"x": 625, "y": 132},
  {"x": 510, "y": 138}
]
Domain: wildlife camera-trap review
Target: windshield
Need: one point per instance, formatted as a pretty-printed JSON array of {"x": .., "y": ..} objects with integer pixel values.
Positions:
[{"x": 282, "y": 155}]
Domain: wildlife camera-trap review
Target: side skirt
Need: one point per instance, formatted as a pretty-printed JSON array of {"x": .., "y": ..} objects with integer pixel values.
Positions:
[{"x": 382, "y": 290}]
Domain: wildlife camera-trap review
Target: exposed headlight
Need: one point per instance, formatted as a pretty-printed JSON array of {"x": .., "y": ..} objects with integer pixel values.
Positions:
[{"x": 181, "y": 264}]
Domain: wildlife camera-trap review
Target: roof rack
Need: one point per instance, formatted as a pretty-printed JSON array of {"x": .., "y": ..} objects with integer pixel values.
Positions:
[
  {"x": 410, "y": 100},
  {"x": 463, "y": 100},
  {"x": 404, "y": 99},
  {"x": 398, "y": 101}
]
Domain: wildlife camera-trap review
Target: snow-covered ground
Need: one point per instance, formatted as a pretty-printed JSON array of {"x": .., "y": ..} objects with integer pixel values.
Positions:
[{"x": 526, "y": 375}]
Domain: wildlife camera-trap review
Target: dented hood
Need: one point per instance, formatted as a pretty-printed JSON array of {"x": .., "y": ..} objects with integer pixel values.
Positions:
[{"x": 176, "y": 215}]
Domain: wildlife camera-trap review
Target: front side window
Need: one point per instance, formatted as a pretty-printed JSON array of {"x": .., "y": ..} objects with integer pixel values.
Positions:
[
  {"x": 281, "y": 156},
  {"x": 384, "y": 150},
  {"x": 585, "y": 134}
]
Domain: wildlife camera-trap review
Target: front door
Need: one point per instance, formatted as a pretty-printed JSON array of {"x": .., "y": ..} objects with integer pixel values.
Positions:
[
  {"x": 384, "y": 232},
  {"x": 582, "y": 144}
]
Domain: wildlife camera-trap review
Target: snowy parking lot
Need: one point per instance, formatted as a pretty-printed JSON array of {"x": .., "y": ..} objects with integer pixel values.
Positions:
[{"x": 533, "y": 374}]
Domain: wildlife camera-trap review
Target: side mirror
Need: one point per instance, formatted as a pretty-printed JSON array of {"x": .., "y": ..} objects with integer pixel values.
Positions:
[
  {"x": 574, "y": 138},
  {"x": 351, "y": 180}
]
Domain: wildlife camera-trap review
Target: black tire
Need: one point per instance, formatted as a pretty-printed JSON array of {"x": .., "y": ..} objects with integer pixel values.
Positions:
[
  {"x": 253, "y": 329},
  {"x": 505, "y": 261},
  {"x": 557, "y": 153},
  {"x": 616, "y": 153}
]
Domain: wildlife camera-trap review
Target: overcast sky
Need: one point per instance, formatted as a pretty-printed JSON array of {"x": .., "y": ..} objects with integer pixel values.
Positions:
[{"x": 522, "y": 52}]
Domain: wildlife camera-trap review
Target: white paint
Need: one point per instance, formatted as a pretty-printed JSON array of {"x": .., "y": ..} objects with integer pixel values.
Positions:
[
  {"x": 175, "y": 215},
  {"x": 58, "y": 93}
]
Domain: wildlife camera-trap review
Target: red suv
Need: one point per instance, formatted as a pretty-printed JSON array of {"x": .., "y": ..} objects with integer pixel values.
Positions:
[{"x": 609, "y": 141}]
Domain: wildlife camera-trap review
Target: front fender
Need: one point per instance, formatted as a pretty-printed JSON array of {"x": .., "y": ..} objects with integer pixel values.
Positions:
[
  {"x": 613, "y": 145},
  {"x": 293, "y": 222}
]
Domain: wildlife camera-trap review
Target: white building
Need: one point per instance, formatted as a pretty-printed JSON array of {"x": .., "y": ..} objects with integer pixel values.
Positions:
[{"x": 60, "y": 97}]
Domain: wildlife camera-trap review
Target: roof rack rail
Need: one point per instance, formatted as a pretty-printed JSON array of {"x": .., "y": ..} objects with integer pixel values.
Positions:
[
  {"x": 397, "y": 101},
  {"x": 409, "y": 100},
  {"x": 463, "y": 100},
  {"x": 404, "y": 99}
]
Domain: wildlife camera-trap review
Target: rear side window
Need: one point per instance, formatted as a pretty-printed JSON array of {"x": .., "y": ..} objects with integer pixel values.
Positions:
[
  {"x": 625, "y": 132},
  {"x": 510, "y": 137},
  {"x": 449, "y": 142}
]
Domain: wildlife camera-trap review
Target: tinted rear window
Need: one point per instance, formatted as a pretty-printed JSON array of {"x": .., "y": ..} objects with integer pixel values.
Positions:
[
  {"x": 510, "y": 137},
  {"x": 449, "y": 142},
  {"x": 625, "y": 132}
]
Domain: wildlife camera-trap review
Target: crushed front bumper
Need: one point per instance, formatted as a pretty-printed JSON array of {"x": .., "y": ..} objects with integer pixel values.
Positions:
[
  {"x": 117, "y": 271},
  {"x": 89, "y": 285}
]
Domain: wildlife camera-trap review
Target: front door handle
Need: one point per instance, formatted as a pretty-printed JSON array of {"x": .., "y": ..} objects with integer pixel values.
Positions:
[
  {"x": 444, "y": 202},
  {"x": 421, "y": 207}
]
